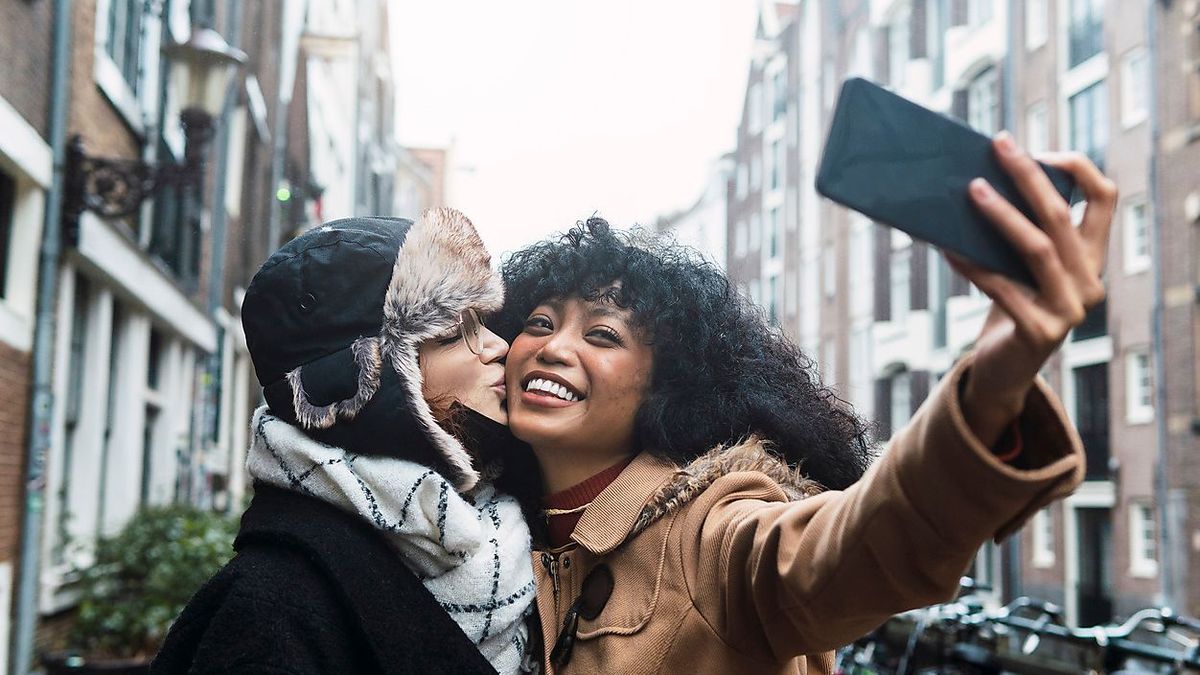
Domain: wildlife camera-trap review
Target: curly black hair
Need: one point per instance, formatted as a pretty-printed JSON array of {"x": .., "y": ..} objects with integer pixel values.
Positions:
[{"x": 720, "y": 372}]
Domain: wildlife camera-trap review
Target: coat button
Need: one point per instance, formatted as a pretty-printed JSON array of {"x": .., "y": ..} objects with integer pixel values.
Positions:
[
  {"x": 308, "y": 302},
  {"x": 566, "y": 562}
]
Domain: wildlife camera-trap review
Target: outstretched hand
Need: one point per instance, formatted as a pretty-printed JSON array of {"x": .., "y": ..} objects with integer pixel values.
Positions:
[{"x": 1025, "y": 326}]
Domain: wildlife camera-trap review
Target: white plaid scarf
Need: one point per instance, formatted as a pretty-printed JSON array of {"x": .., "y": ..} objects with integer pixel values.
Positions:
[{"x": 471, "y": 551}]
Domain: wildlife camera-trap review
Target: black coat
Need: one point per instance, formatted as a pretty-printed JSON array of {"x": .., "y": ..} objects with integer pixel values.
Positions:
[{"x": 313, "y": 589}]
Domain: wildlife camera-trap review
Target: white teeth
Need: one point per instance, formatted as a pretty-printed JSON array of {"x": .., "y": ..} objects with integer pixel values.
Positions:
[{"x": 552, "y": 388}]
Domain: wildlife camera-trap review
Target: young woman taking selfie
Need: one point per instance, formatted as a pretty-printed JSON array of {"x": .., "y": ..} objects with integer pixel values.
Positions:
[{"x": 708, "y": 504}]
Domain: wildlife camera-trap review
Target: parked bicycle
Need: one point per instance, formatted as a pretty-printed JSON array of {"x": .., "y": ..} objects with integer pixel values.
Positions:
[{"x": 1027, "y": 636}]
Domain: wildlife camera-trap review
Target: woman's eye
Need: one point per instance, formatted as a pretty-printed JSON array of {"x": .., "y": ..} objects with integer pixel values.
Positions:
[
  {"x": 606, "y": 334},
  {"x": 538, "y": 324},
  {"x": 449, "y": 339}
]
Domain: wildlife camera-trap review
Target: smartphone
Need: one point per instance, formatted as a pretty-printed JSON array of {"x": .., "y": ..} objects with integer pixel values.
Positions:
[{"x": 906, "y": 166}]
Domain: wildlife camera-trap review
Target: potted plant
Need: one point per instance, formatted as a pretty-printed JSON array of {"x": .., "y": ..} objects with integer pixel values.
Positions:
[{"x": 140, "y": 581}]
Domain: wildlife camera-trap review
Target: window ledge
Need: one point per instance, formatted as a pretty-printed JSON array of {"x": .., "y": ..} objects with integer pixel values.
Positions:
[
  {"x": 1043, "y": 560},
  {"x": 1140, "y": 417},
  {"x": 1137, "y": 266},
  {"x": 1144, "y": 569},
  {"x": 16, "y": 329}
]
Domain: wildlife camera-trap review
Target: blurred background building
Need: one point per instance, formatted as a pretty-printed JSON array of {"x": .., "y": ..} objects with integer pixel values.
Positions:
[
  {"x": 129, "y": 382},
  {"x": 886, "y": 317}
]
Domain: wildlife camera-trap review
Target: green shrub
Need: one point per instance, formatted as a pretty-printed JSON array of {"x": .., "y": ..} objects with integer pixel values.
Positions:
[{"x": 143, "y": 577}]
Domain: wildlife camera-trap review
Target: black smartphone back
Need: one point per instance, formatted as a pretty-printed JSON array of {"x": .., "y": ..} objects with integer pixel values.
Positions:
[{"x": 908, "y": 167}]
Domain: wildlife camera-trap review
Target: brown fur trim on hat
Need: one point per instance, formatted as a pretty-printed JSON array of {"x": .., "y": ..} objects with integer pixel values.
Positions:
[
  {"x": 752, "y": 454},
  {"x": 368, "y": 360},
  {"x": 442, "y": 269}
]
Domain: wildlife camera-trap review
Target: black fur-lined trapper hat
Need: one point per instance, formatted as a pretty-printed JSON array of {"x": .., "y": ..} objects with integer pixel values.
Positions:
[{"x": 334, "y": 318}]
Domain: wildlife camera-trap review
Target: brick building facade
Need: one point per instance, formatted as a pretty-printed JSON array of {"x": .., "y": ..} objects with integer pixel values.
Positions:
[{"x": 885, "y": 317}]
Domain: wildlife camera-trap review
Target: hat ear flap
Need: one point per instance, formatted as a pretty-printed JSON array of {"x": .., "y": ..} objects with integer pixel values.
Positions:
[{"x": 336, "y": 385}]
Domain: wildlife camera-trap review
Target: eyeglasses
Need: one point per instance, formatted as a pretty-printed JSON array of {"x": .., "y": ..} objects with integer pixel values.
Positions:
[{"x": 470, "y": 326}]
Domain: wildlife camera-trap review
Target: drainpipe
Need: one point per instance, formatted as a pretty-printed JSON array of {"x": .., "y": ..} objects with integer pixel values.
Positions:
[
  {"x": 1162, "y": 497},
  {"x": 1012, "y": 548},
  {"x": 279, "y": 151},
  {"x": 41, "y": 387},
  {"x": 220, "y": 226}
]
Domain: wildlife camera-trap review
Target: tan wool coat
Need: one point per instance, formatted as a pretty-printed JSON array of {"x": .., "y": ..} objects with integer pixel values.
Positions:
[{"x": 734, "y": 564}]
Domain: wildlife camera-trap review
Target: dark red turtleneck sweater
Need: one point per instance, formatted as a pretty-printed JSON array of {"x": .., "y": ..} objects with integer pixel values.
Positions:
[{"x": 561, "y": 526}]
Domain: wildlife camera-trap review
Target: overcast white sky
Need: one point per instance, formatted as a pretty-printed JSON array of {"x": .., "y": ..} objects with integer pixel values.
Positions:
[{"x": 562, "y": 108}]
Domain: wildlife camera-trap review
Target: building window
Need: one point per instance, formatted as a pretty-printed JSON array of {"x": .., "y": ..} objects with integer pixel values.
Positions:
[
  {"x": 1089, "y": 122},
  {"x": 829, "y": 363},
  {"x": 72, "y": 412},
  {"x": 861, "y": 284},
  {"x": 8, "y": 205},
  {"x": 756, "y": 292},
  {"x": 774, "y": 234},
  {"x": 1043, "y": 538},
  {"x": 860, "y": 59},
  {"x": 1143, "y": 541},
  {"x": 1085, "y": 30},
  {"x": 983, "y": 102},
  {"x": 901, "y": 265},
  {"x": 1091, "y": 417},
  {"x": 739, "y": 238},
  {"x": 1134, "y": 91},
  {"x": 901, "y": 400},
  {"x": 124, "y": 38},
  {"x": 1136, "y": 227},
  {"x": 829, "y": 265},
  {"x": 937, "y": 21},
  {"x": 1037, "y": 128},
  {"x": 776, "y": 164},
  {"x": 154, "y": 409},
  {"x": 1139, "y": 388},
  {"x": 1036, "y": 16},
  {"x": 791, "y": 292},
  {"x": 755, "y": 171},
  {"x": 755, "y": 231},
  {"x": 779, "y": 89},
  {"x": 898, "y": 48},
  {"x": 773, "y": 300},
  {"x": 743, "y": 181},
  {"x": 979, "y": 12},
  {"x": 754, "y": 107}
]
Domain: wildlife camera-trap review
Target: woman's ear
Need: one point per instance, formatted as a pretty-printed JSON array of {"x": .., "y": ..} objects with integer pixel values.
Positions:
[{"x": 336, "y": 385}]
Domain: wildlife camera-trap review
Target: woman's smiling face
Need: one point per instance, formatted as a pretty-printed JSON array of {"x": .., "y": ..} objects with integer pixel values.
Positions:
[{"x": 576, "y": 375}]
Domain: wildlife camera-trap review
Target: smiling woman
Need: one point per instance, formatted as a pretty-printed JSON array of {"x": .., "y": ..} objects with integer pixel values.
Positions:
[
  {"x": 707, "y": 506},
  {"x": 581, "y": 369}
]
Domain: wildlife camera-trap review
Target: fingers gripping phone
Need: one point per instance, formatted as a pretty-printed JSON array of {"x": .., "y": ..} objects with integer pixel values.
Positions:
[{"x": 908, "y": 167}]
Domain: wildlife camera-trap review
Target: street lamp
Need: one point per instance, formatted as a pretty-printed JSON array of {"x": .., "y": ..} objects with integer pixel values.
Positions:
[{"x": 201, "y": 70}]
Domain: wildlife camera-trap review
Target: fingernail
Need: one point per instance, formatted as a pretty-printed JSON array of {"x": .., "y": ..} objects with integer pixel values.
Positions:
[
  {"x": 1004, "y": 143},
  {"x": 981, "y": 189}
]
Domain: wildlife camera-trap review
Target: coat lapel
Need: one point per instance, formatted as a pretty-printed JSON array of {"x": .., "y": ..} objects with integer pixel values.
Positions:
[{"x": 611, "y": 517}]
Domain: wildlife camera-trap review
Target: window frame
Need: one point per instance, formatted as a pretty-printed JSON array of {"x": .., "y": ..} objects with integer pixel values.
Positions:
[
  {"x": 1139, "y": 386},
  {"x": 1143, "y": 540},
  {"x": 1135, "y": 105},
  {"x": 1037, "y": 30},
  {"x": 1042, "y": 530},
  {"x": 1132, "y": 239}
]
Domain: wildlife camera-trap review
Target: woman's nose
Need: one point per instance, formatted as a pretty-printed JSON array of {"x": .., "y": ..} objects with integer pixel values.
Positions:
[
  {"x": 556, "y": 349},
  {"x": 493, "y": 347}
]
